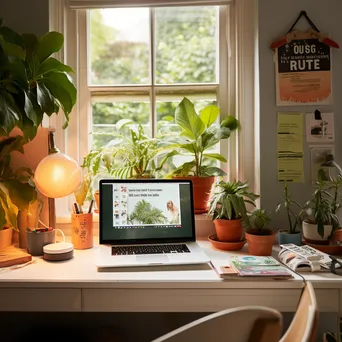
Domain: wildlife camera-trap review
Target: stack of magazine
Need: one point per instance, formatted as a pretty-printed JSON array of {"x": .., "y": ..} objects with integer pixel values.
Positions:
[
  {"x": 250, "y": 266},
  {"x": 304, "y": 258}
]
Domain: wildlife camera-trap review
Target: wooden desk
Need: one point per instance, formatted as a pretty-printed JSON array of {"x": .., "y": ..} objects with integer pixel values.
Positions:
[{"x": 77, "y": 286}]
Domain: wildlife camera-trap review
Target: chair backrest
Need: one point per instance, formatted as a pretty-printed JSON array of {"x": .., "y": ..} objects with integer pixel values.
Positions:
[
  {"x": 303, "y": 327},
  {"x": 242, "y": 324}
]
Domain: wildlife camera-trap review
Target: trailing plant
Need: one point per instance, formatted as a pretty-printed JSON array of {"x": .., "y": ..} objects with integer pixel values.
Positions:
[
  {"x": 131, "y": 154},
  {"x": 228, "y": 200},
  {"x": 17, "y": 189},
  {"x": 323, "y": 206},
  {"x": 198, "y": 134},
  {"x": 32, "y": 83},
  {"x": 257, "y": 222},
  {"x": 294, "y": 218}
]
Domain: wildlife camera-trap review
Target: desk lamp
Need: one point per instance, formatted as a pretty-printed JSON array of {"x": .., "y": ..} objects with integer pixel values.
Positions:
[
  {"x": 57, "y": 175},
  {"x": 330, "y": 163}
]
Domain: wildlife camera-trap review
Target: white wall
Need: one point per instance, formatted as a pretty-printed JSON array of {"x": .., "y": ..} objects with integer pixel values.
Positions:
[{"x": 275, "y": 19}]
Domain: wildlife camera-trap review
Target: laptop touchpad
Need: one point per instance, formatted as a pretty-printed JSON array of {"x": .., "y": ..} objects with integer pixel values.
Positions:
[{"x": 152, "y": 259}]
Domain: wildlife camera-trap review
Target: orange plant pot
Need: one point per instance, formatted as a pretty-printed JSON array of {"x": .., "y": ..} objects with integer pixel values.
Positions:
[
  {"x": 201, "y": 191},
  {"x": 6, "y": 237},
  {"x": 228, "y": 230},
  {"x": 260, "y": 244}
]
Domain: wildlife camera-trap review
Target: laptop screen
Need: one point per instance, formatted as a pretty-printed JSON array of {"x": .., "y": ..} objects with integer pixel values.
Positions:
[{"x": 146, "y": 211}]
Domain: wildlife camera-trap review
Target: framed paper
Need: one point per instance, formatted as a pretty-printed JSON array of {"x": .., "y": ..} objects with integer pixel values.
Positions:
[{"x": 320, "y": 131}]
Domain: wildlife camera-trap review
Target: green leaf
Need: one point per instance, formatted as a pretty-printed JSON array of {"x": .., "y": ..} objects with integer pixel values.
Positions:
[
  {"x": 209, "y": 114},
  {"x": 21, "y": 194},
  {"x": 222, "y": 133},
  {"x": 2, "y": 217},
  {"x": 216, "y": 156},
  {"x": 62, "y": 89},
  {"x": 8, "y": 115},
  {"x": 49, "y": 43},
  {"x": 211, "y": 171},
  {"x": 30, "y": 111},
  {"x": 45, "y": 99},
  {"x": 11, "y": 36},
  {"x": 52, "y": 64},
  {"x": 13, "y": 50},
  {"x": 188, "y": 120}
]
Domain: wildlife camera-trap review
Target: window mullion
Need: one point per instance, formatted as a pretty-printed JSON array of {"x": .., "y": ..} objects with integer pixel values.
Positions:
[{"x": 152, "y": 74}]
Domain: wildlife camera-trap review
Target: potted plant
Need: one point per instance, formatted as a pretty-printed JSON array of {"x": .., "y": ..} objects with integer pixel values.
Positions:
[
  {"x": 131, "y": 154},
  {"x": 32, "y": 83},
  {"x": 260, "y": 238},
  {"x": 198, "y": 134},
  {"x": 227, "y": 205},
  {"x": 17, "y": 189},
  {"x": 321, "y": 220},
  {"x": 294, "y": 219}
]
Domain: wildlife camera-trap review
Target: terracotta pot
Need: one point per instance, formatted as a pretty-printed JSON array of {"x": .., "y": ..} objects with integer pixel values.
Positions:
[
  {"x": 228, "y": 230},
  {"x": 201, "y": 191},
  {"x": 6, "y": 237},
  {"x": 260, "y": 244},
  {"x": 97, "y": 199},
  {"x": 337, "y": 237},
  {"x": 310, "y": 233}
]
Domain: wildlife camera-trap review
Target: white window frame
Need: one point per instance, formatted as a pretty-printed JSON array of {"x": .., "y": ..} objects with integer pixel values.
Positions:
[{"x": 238, "y": 93}]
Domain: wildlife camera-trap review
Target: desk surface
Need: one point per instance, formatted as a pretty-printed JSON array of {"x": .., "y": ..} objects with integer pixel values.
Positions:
[{"x": 80, "y": 272}]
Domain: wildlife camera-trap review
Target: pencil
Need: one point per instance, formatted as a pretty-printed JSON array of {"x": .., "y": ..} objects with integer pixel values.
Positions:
[
  {"x": 91, "y": 206},
  {"x": 76, "y": 208}
]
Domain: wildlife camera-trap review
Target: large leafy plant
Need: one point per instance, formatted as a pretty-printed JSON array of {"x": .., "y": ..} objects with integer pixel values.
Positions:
[
  {"x": 17, "y": 189},
  {"x": 130, "y": 154},
  {"x": 228, "y": 200},
  {"x": 31, "y": 81},
  {"x": 322, "y": 208},
  {"x": 257, "y": 222},
  {"x": 198, "y": 134}
]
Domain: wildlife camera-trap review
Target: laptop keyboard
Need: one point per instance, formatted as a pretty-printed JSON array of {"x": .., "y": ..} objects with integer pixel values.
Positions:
[{"x": 150, "y": 249}]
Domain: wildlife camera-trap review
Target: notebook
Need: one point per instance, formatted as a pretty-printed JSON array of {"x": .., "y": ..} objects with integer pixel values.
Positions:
[{"x": 147, "y": 222}]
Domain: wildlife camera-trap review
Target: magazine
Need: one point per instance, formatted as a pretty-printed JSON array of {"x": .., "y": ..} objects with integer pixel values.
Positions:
[
  {"x": 249, "y": 265},
  {"x": 303, "y": 258}
]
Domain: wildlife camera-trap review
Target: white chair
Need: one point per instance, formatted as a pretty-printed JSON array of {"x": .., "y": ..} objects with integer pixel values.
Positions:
[
  {"x": 242, "y": 324},
  {"x": 303, "y": 327},
  {"x": 252, "y": 324}
]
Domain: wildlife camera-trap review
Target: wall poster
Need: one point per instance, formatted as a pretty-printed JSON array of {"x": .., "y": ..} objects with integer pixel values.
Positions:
[
  {"x": 303, "y": 73},
  {"x": 303, "y": 68}
]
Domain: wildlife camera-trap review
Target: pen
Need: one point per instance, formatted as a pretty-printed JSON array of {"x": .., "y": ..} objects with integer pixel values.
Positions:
[
  {"x": 91, "y": 206},
  {"x": 76, "y": 208}
]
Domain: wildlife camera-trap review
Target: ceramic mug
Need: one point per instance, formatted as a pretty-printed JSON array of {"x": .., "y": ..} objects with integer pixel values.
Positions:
[{"x": 36, "y": 240}]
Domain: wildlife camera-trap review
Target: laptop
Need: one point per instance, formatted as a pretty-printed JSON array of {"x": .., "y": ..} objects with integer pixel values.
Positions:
[{"x": 147, "y": 222}]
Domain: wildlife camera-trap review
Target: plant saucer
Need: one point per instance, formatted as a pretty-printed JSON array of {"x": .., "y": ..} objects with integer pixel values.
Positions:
[
  {"x": 224, "y": 245},
  {"x": 328, "y": 249}
]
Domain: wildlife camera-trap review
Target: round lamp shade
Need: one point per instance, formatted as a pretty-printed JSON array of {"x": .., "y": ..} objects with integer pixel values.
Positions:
[{"x": 57, "y": 175}]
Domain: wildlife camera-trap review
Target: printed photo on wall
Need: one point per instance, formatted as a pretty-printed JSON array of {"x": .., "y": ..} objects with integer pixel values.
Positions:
[
  {"x": 318, "y": 157},
  {"x": 320, "y": 130}
]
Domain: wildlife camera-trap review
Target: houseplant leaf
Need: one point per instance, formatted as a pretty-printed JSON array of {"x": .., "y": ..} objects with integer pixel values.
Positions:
[
  {"x": 49, "y": 43},
  {"x": 188, "y": 120},
  {"x": 209, "y": 114},
  {"x": 52, "y": 64}
]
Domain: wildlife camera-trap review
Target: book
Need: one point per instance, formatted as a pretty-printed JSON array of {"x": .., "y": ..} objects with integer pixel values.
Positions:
[
  {"x": 259, "y": 266},
  {"x": 303, "y": 258},
  {"x": 224, "y": 269}
]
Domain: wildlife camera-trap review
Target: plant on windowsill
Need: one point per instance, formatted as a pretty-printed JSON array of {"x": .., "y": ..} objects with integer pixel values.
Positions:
[
  {"x": 129, "y": 155},
  {"x": 227, "y": 205},
  {"x": 198, "y": 134},
  {"x": 32, "y": 83},
  {"x": 260, "y": 238},
  {"x": 321, "y": 220},
  {"x": 17, "y": 190},
  {"x": 294, "y": 213}
]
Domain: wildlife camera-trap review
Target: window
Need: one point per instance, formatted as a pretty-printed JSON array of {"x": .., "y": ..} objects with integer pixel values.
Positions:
[
  {"x": 139, "y": 69},
  {"x": 139, "y": 62}
]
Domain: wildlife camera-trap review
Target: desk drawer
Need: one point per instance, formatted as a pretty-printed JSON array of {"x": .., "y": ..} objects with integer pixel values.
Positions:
[
  {"x": 36, "y": 299},
  {"x": 186, "y": 300}
]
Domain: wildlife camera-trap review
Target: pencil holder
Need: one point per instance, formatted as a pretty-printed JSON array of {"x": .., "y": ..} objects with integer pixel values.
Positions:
[{"x": 82, "y": 230}]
